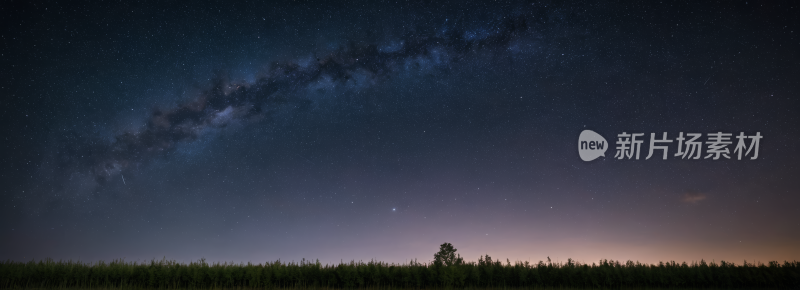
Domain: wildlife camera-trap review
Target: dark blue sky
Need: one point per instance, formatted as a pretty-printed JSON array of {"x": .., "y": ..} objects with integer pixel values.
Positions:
[{"x": 253, "y": 132}]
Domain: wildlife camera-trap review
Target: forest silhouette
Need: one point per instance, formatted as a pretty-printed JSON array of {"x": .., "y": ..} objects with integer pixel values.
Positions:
[{"x": 447, "y": 270}]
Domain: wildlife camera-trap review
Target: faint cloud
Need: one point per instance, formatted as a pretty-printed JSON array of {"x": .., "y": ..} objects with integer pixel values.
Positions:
[{"x": 693, "y": 197}]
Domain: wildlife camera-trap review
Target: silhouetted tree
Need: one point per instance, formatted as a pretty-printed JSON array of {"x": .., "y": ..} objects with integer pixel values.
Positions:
[{"x": 447, "y": 256}]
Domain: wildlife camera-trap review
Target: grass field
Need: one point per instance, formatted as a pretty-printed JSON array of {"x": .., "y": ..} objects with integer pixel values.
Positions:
[{"x": 484, "y": 274}]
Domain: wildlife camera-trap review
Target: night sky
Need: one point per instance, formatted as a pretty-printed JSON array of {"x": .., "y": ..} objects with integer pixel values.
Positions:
[{"x": 379, "y": 130}]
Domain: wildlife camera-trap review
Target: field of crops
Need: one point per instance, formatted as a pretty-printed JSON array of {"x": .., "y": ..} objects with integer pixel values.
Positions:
[{"x": 484, "y": 274}]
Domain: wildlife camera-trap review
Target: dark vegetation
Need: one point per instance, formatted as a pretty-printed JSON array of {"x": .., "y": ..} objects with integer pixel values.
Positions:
[{"x": 447, "y": 271}]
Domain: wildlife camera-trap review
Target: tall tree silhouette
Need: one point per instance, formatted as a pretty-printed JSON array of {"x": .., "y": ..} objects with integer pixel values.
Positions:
[{"x": 447, "y": 256}]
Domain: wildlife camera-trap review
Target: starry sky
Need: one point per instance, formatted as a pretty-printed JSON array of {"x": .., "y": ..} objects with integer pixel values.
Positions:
[{"x": 248, "y": 131}]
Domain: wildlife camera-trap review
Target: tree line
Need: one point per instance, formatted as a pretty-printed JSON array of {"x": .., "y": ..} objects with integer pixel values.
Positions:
[{"x": 446, "y": 271}]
